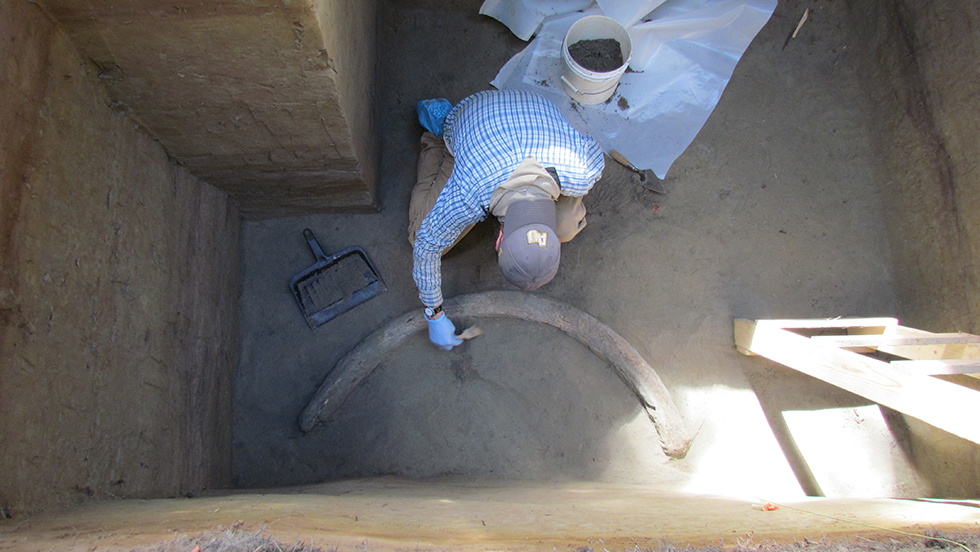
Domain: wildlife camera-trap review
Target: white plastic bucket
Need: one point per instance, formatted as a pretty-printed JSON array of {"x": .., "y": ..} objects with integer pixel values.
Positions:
[{"x": 593, "y": 87}]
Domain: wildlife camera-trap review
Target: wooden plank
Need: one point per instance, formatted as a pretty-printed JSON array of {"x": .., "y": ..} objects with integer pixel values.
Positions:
[
  {"x": 928, "y": 352},
  {"x": 879, "y": 341},
  {"x": 937, "y": 367},
  {"x": 744, "y": 330},
  {"x": 948, "y": 406},
  {"x": 868, "y": 330},
  {"x": 906, "y": 331},
  {"x": 744, "y": 351},
  {"x": 831, "y": 323}
]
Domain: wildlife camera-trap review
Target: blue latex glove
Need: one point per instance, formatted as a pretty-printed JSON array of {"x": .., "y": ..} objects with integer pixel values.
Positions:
[
  {"x": 432, "y": 114},
  {"x": 442, "y": 333}
]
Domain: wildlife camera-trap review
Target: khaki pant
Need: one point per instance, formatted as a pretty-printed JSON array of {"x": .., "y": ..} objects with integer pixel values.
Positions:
[{"x": 435, "y": 167}]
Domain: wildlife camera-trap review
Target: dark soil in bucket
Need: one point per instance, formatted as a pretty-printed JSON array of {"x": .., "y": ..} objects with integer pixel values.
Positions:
[{"x": 599, "y": 54}]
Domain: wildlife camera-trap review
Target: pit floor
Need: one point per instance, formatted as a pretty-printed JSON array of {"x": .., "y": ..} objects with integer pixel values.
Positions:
[{"x": 773, "y": 212}]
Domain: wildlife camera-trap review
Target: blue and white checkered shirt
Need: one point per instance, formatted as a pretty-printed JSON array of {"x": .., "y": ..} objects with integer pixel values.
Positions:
[{"x": 489, "y": 134}]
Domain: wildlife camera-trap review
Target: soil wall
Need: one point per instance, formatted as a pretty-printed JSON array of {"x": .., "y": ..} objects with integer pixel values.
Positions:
[
  {"x": 269, "y": 100},
  {"x": 119, "y": 277},
  {"x": 923, "y": 83},
  {"x": 920, "y": 64},
  {"x": 348, "y": 31}
]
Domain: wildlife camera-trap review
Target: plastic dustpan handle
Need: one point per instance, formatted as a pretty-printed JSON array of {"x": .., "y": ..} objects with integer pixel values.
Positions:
[{"x": 314, "y": 245}]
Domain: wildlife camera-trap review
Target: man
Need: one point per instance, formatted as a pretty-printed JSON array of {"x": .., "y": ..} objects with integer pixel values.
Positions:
[{"x": 509, "y": 153}]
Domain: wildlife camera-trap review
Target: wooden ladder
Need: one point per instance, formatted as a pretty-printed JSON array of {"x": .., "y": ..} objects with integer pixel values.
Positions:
[{"x": 880, "y": 360}]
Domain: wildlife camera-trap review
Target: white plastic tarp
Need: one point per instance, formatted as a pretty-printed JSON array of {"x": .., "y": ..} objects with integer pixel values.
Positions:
[
  {"x": 684, "y": 53},
  {"x": 524, "y": 17}
]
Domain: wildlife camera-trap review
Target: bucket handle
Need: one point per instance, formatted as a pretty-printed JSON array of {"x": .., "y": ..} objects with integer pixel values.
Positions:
[{"x": 570, "y": 85}]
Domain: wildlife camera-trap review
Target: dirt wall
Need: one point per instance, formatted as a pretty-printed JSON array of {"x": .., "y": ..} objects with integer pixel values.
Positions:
[
  {"x": 921, "y": 77},
  {"x": 923, "y": 83},
  {"x": 249, "y": 96},
  {"x": 118, "y": 292},
  {"x": 348, "y": 31}
]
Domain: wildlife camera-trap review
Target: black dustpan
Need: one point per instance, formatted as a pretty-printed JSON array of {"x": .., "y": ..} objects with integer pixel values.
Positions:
[{"x": 334, "y": 284}]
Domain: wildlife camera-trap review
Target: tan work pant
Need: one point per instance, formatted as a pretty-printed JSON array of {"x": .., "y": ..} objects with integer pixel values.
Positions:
[{"x": 435, "y": 167}]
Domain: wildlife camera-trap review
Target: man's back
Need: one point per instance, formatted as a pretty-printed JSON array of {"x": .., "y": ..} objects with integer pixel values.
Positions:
[{"x": 492, "y": 132}]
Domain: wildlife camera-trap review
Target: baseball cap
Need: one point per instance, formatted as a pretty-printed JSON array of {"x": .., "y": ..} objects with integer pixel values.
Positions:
[{"x": 530, "y": 249}]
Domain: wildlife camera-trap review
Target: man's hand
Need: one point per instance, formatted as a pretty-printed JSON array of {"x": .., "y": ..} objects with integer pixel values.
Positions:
[{"x": 442, "y": 332}]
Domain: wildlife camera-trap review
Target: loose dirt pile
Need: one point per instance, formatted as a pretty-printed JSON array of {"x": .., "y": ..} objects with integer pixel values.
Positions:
[{"x": 601, "y": 54}]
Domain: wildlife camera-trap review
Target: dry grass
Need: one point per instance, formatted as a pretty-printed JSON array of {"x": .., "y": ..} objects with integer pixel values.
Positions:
[{"x": 234, "y": 539}]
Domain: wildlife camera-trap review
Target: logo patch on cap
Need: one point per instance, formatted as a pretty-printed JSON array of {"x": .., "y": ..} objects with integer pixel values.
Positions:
[{"x": 540, "y": 238}]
